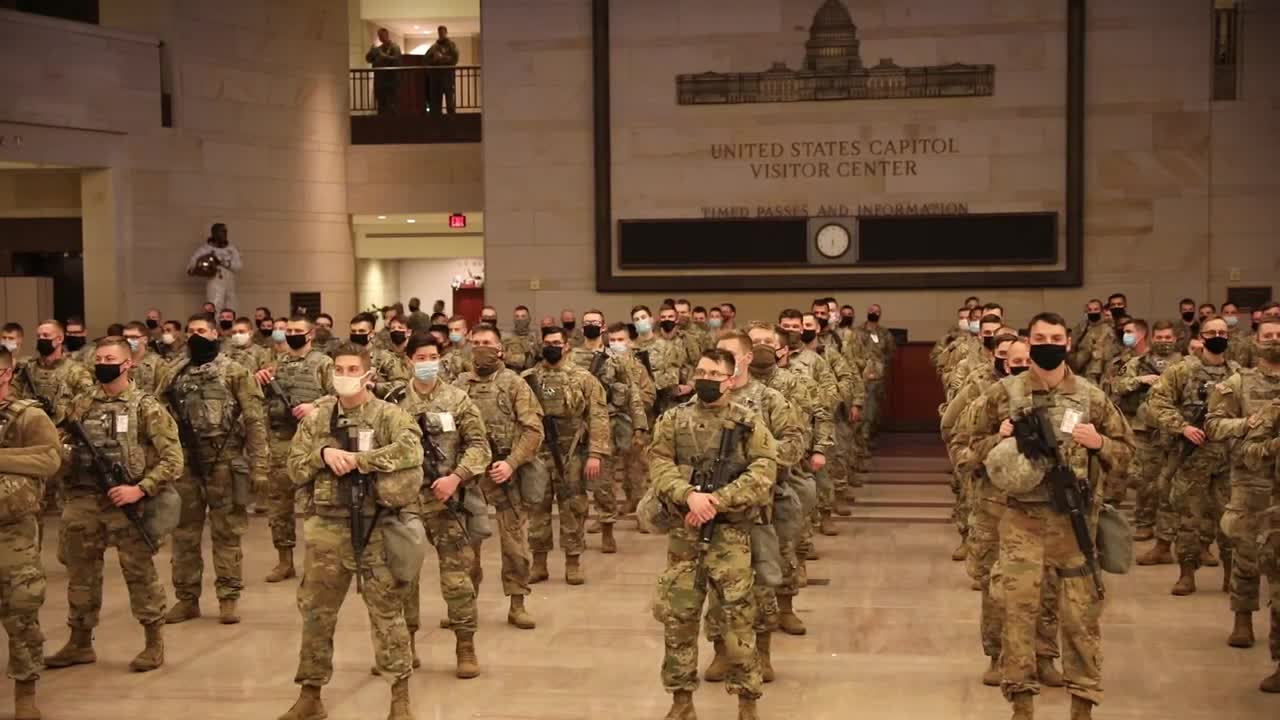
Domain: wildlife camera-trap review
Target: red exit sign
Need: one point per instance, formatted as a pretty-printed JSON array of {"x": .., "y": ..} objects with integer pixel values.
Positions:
[{"x": 457, "y": 220}]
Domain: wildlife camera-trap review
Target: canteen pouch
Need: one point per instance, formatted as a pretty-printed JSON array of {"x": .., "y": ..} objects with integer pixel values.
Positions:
[
  {"x": 1115, "y": 541},
  {"x": 241, "y": 487},
  {"x": 788, "y": 513},
  {"x": 404, "y": 540},
  {"x": 766, "y": 555},
  {"x": 532, "y": 479},
  {"x": 477, "y": 511},
  {"x": 161, "y": 512}
]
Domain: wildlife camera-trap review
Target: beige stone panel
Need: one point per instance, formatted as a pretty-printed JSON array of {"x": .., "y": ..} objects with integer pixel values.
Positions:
[
  {"x": 557, "y": 106},
  {"x": 533, "y": 148},
  {"x": 1008, "y": 52},
  {"x": 1255, "y": 254},
  {"x": 568, "y": 68},
  {"x": 199, "y": 190},
  {"x": 1107, "y": 131},
  {"x": 1181, "y": 131},
  {"x": 1020, "y": 172},
  {"x": 503, "y": 228},
  {"x": 1184, "y": 213},
  {"x": 1159, "y": 173},
  {"x": 1112, "y": 47},
  {"x": 942, "y": 175},
  {"x": 371, "y": 198},
  {"x": 287, "y": 195},
  {"x": 559, "y": 228},
  {"x": 1027, "y": 88},
  {"x": 259, "y": 161},
  {"x": 1242, "y": 167},
  {"x": 1241, "y": 123},
  {"x": 1258, "y": 213}
]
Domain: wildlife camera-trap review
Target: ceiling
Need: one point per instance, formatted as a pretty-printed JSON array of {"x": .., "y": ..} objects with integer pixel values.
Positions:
[
  {"x": 458, "y": 26},
  {"x": 11, "y": 165},
  {"x": 424, "y": 223}
]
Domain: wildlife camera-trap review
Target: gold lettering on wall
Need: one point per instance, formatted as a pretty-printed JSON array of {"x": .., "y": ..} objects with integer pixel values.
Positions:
[{"x": 827, "y": 159}]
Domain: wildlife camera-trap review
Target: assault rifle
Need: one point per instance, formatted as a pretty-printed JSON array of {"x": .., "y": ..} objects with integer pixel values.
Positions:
[
  {"x": 45, "y": 402},
  {"x": 358, "y": 488},
  {"x": 289, "y": 404},
  {"x": 433, "y": 461},
  {"x": 110, "y": 474},
  {"x": 1197, "y": 418},
  {"x": 551, "y": 433},
  {"x": 709, "y": 482}
]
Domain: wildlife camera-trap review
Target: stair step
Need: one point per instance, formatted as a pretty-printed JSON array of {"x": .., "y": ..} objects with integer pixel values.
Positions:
[
  {"x": 910, "y": 465},
  {"x": 932, "y": 495},
  {"x": 898, "y": 514},
  {"x": 907, "y": 478}
]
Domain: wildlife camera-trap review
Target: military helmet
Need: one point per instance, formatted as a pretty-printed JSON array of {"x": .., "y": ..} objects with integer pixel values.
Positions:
[
  {"x": 1011, "y": 471},
  {"x": 206, "y": 266}
]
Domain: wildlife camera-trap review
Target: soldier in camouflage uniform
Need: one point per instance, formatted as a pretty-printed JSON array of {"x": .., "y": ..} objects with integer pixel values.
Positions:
[
  {"x": 686, "y": 442},
  {"x": 1092, "y": 342},
  {"x": 626, "y": 418},
  {"x": 388, "y": 460},
  {"x": 850, "y": 399},
  {"x": 452, "y": 425},
  {"x": 520, "y": 347},
  {"x": 171, "y": 343},
  {"x": 217, "y": 401},
  {"x": 30, "y": 453},
  {"x": 882, "y": 346},
  {"x": 631, "y": 470},
  {"x": 1260, "y": 453},
  {"x": 953, "y": 334},
  {"x": 322, "y": 338},
  {"x": 77, "y": 343},
  {"x": 665, "y": 361},
  {"x": 1236, "y": 406},
  {"x": 807, "y": 362},
  {"x": 513, "y": 421},
  {"x": 1189, "y": 328},
  {"x": 696, "y": 338},
  {"x": 1198, "y": 489},
  {"x": 391, "y": 368},
  {"x": 1035, "y": 540},
  {"x": 303, "y": 375},
  {"x": 458, "y": 358},
  {"x": 145, "y": 366},
  {"x": 573, "y": 401},
  {"x": 244, "y": 350},
  {"x": 669, "y": 329},
  {"x": 132, "y": 428}
]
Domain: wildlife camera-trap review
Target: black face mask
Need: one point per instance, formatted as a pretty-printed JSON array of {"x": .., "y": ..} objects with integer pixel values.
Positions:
[
  {"x": 152, "y": 324},
  {"x": 44, "y": 346},
  {"x": 591, "y": 332},
  {"x": 1002, "y": 368},
  {"x": 1018, "y": 370},
  {"x": 989, "y": 342},
  {"x": 569, "y": 326},
  {"x": 73, "y": 342},
  {"x": 225, "y": 324},
  {"x": 1095, "y": 317},
  {"x": 203, "y": 350},
  {"x": 552, "y": 353},
  {"x": 1188, "y": 316},
  {"x": 359, "y": 339},
  {"x": 708, "y": 390},
  {"x": 846, "y": 321},
  {"x": 397, "y": 336},
  {"x": 1048, "y": 356},
  {"x": 822, "y": 322},
  {"x": 807, "y": 336},
  {"x": 105, "y": 373},
  {"x": 490, "y": 321},
  {"x": 266, "y": 332},
  {"x": 296, "y": 342},
  {"x": 1216, "y": 345},
  {"x": 873, "y": 317},
  {"x": 667, "y": 325}
]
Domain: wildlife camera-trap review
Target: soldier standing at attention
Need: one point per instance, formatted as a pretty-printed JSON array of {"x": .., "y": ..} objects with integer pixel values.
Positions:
[
  {"x": 387, "y": 461},
  {"x": 131, "y": 428},
  {"x": 574, "y": 405},
  {"x": 219, "y": 406},
  {"x": 665, "y": 360},
  {"x": 1093, "y": 440},
  {"x": 1260, "y": 450},
  {"x": 303, "y": 375},
  {"x": 1092, "y": 343},
  {"x": 690, "y": 436},
  {"x": 30, "y": 453},
  {"x": 458, "y": 359},
  {"x": 520, "y": 348},
  {"x": 513, "y": 422},
  {"x": 631, "y": 469}
]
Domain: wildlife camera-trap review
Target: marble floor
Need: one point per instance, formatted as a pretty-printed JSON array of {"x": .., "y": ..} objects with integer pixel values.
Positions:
[{"x": 892, "y": 622}]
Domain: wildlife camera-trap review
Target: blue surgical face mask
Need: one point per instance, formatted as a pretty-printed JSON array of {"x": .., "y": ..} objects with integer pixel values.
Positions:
[
  {"x": 644, "y": 327},
  {"x": 1130, "y": 340},
  {"x": 456, "y": 338},
  {"x": 714, "y": 323},
  {"x": 427, "y": 370},
  {"x": 975, "y": 326},
  {"x": 277, "y": 336},
  {"x": 1232, "y": 320},
  {"x": 618, "y": 348}
]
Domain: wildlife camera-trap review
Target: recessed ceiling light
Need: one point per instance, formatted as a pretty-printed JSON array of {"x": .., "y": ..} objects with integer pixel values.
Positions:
[
  {"x": 382, "y": 217},
  {"x": 411, "y": 220},
  {"x": 415, "y": 27}
]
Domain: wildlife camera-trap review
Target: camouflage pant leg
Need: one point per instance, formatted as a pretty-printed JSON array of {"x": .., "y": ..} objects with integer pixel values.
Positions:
[
  {"x": 1034, "y": 542},
  {"x": 327, "y": 571},
  {"x": 1269, "y": 564},
  {"x": 843, "y": 460},
  {"x": 1166, "y": 518},
  {"x": 680, "y": 601},
  {"x": 768, "y": 615},
  {"x": 570, "y": 496},
  {"x": 138, "y": 565},
  {"x": 602, "y": 494},
  {"x": 513, "y": 534},
  {"x": 456, "y": 558},
  {"x": 1241, "y": 523},
  {"x": 1145, "y": 468},
  {"x": 637, "y": 478},
  {"x": 1195, "y": 501},
  {"x": 984, "y": 550},
  {"x": 964, "y": 507},
  {"x": 826, "y": 490},
  {"x": 280, "y": 494},
  {"x": 227, "y": 525},
  {"x": 22, "y": 589},
  {"x": 82, "y": 543},
  {"x": 790, "y": 569}
]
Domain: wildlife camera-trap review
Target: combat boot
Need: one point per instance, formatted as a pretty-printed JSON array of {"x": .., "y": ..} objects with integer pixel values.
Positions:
[
  {"x": 825, "y": 524},
  {"x": 77, "y": 651},
  {"x": 594, "y": 527},
  {"x": 1144, "y": 534},
  {"x": 839, "y": 508},
  {"x": 227, "y": 614},
  {"x": 1272, "y": 683},
  {"x": 573, "y": 570},
  {"x": 1081, "y": 709},
  {"x": 608, "y": 545},
  {"x": 538, "y": 573},
  {"x": 1207, "y": 559},
  {"x": 1024, "y": 706},
  {"x": 718, "y": 670},
  {"x": 1242, "y": 634},
  {"x": 465, "y": 649},
  {"x": 307, "y": 707},
  {"x": 991, "y": 678},
  {"x": 152, "y": 656},
  {"x": 1159, "y": 554},
  {"x": 24, "y": 700},
  {"x": 681, "y": 706},
  {"x": 961, "y": 552},
  {"x": 518, "y": 616},
  {"x": 763, "y": 643},
  {"x": 811, "y": 552},
  {"x": 1048, "y": 674},
  {"x": 1186, "y": 584},
  {"x": 284, "y": 569},
  {"x": 747, "y": 708},
  {"x": 400, "y": 701},
  {"x": 787, "y": 618},
  {"x": 183, "y": 611},
  {"x": 1226, "y": 571}
]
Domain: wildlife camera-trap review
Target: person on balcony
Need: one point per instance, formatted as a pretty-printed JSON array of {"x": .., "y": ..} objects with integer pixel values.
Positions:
[
  {"x": 385, "y": 54},
  {"x": 441, "y": 57}
]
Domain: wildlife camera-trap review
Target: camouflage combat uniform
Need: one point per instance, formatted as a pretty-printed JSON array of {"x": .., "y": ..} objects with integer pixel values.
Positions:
[
  {"x": 626, "y": 417},
  {"x": 304, "y": 379},
  {"x": 56, "y": 385},
  {"x": 688, "y": 439},
  {"x": 1260, "y": 453},
  {"x": 30, "y": 453},
  {"x": 393, "y": 459},
  {"x": 1092, "y": 345},
  {"x": 1150, "y": 445},
  {"x": 222, "y": 404},
  {"x": 880, "y": 348},
  {"x": 455, "y": 362},
  {"x": 251, "y": 357},
  {"x": 665, "y": 364},
  {"x": 851, "y": 392},
  {"x": 1035, "y": 540},
  {"x": 520, "y": 350},
  {"x": 631, "y": 470},
  {"x": 146, "y": 372}
]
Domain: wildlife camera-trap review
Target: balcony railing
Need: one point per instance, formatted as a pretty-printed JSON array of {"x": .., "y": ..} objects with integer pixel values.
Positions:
[{"x": 413, "y": 104}]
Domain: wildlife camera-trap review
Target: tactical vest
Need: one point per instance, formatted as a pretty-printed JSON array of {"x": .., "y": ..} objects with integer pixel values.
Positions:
[
  {"x": 112, "y": 426},
  {"x": 427, "y": 414},
  {"x": 299, "y": 379},
  {"x": 9, "y": 413},
  {"x": 1074, "y": 455},
  {"x": 204, "y": 399},
  {"x": 330, "y": 495},
  {"x": 1199, "y": 384},
  {"x": 1257, "y": 390},
  {"x": 493, "y": 397},
  {"x": 697, "y": 439},
  {"x": 1148, "y": 364}
]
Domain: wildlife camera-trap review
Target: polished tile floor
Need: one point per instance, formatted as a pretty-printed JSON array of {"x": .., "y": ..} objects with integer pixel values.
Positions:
[{"x": 893, "y": 636}]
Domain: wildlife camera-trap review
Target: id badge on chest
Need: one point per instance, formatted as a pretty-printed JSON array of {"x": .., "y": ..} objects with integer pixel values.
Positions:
[
  {"x": 122, "y": 424},
  {"x": 446, "y": 422},
  {"x": 364, "y": 441},
  {"x": 1070, "y": 418}
]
